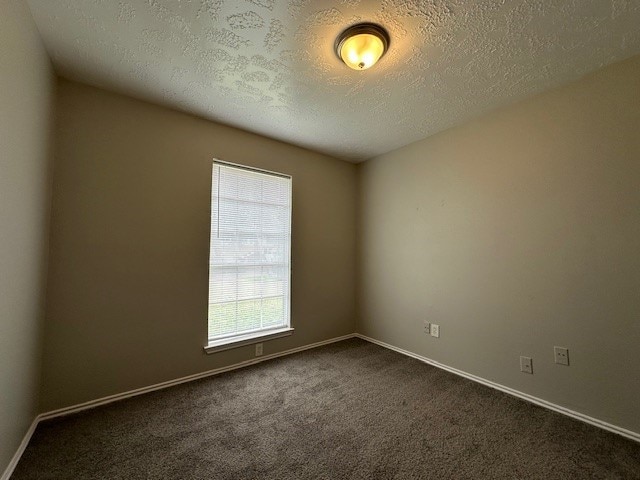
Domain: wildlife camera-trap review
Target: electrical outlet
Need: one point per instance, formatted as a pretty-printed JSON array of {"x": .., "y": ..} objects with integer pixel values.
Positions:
[
  {"x": 258, "y": 349},
  {"x": 526, "y": 365},
  {"x": 427, "y": 327},
  {"x": 561, "y": 355},
  {"x": 435, "y": 330}
]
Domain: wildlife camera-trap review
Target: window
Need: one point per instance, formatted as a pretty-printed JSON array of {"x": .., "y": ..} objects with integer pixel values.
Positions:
[{"x": 250, "y": 251}]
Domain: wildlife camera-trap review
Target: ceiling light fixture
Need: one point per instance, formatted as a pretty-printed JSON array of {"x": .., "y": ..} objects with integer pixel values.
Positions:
[{"x": 361, "y": 46}]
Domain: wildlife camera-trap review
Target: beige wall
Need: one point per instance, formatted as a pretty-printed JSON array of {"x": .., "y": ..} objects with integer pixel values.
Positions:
[
  {"x": 517, "y": 232},
  {"x": 26, "y": 97},
  {"x": 129, "y": 245}
]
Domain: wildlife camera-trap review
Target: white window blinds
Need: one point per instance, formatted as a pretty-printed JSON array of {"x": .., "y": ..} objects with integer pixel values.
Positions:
[{"x": 250, "y": 250}]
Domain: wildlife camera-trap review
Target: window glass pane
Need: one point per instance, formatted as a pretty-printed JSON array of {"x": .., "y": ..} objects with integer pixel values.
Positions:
[{"x": 249, "y": 266}]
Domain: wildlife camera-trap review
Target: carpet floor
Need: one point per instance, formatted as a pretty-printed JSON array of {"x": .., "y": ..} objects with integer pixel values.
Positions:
[{"x": 349, "y": 410}]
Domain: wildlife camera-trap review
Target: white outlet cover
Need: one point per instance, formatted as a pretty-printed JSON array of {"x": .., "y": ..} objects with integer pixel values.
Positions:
[
  {"x": 526, "y": 365},
  {"x": 258, "y": 349},
  {"x": 561, "y": 355},
  {"x": 435, "y": 330}
]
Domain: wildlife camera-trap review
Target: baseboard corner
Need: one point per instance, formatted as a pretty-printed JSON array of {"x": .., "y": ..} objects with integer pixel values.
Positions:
[
  {"x": 13, "y": 463},
  {"x": 132, "y": 393},
  {"x": 635, "y": 436}
]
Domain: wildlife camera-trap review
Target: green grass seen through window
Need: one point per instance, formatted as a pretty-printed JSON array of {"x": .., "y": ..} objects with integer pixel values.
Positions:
[{"x": 225, "y": 318}]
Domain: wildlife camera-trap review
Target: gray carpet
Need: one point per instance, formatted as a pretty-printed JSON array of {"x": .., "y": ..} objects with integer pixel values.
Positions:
[{"x": 350, "y": 410}]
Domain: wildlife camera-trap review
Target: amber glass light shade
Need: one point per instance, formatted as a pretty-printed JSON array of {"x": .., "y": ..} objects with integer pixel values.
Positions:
[{"x": 361, "y": 46}]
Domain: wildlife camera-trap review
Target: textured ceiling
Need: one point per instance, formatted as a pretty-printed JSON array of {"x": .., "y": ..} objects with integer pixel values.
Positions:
[{"x": 268, "y": 66}]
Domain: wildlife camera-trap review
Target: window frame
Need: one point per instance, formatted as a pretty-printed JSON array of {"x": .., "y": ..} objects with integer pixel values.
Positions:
[{"x": 251, "y": 337}]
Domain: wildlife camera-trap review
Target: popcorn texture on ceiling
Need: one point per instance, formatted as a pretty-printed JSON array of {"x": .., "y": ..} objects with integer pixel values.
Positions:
[{"x": 268, "y": 66}]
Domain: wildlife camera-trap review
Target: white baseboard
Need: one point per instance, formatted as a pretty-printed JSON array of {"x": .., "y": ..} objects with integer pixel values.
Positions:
[
  {"x": 159, "y": 386},
  {"x": 21, "y": 448},
  {"x": 525, "y": 396},
  {"x": 139, "y": 391}
]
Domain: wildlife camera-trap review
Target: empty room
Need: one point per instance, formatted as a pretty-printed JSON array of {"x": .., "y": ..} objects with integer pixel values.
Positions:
[{"x": 328, "y": 239}]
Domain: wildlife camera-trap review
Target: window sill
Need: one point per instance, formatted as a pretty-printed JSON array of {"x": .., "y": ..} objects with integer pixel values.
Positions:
[{"x": 249, "y": 339}]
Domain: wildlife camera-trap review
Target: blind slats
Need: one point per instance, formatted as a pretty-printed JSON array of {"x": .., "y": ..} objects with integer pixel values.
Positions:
[{"x": 250, "y": 250}]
